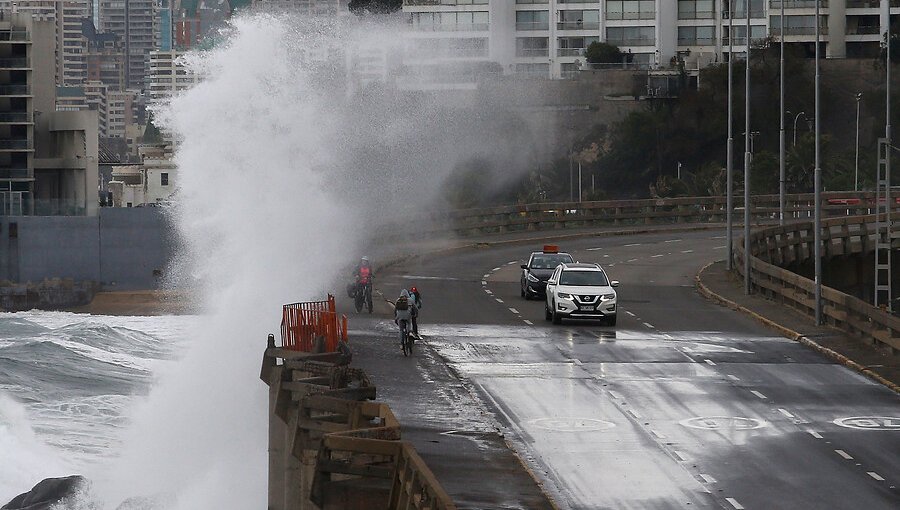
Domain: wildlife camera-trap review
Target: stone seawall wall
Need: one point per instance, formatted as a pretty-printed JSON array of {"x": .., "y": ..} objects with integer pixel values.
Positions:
[{"x": 120, "y": 249}]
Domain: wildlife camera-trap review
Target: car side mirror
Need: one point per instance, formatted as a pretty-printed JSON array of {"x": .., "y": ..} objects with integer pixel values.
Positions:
[
  {"x": 524, "y": 266},
  {"x": 614, "y": 283}
]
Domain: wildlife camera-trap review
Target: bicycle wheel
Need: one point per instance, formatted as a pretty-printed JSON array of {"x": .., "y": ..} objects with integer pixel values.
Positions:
[{"x": 405, "y": 343}]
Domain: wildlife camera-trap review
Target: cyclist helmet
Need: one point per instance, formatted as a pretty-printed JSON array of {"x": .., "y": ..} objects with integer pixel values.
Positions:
[
  {"x": 365, "y": 260},
  {"x": 414, "y": 289}
]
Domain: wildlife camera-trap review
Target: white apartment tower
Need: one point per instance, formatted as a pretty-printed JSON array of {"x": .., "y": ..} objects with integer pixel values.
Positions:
[
  {"x": 166, "y": 76},
  {"x": 548, "y": 37}
]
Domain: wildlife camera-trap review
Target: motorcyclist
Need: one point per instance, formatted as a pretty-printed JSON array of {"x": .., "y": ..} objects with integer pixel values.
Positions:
[
  {"x": 364, "y": 276},
  {"x": 417, "y": 301}
]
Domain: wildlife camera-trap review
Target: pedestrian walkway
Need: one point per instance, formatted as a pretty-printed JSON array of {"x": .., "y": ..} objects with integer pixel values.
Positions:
[{"x": 718, "y": 284}]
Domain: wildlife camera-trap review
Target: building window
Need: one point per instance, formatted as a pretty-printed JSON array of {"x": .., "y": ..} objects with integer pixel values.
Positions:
[
  {"x": 575, "y": 46},
  {"x": 164, "y": 179},
  {"x": 696, "y": 9},
  {"x": 579, "y": 20},
  {"x": 757, "y": 8},
  {"x": 532, "y": 20},
  {"x": 631, "y": 36},
  {"x": 630, "y": 9},
  {"x": 532, "y": 47},
  {"x": 696, "y": 36},
  {"x": 797, "y": 25}
]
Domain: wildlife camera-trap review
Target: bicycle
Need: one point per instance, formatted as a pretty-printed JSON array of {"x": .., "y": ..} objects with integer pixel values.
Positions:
[
  {"x": 406, "y": 341},
  {"x": 363, "y": 296}
]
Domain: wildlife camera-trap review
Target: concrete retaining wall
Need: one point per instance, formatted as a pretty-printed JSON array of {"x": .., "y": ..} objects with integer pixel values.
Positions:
[{"x": 124, "y": 249}]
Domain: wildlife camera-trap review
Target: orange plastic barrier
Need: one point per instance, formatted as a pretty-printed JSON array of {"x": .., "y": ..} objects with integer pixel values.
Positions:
[{"x": 301, "y": 323}]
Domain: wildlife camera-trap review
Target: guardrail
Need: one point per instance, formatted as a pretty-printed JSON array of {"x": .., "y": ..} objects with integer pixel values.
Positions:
[
  {"x": 795, "y": 242},
  {"x": 552, "y": 215},
  {"x": 313, "y": 326},
  {"x": 330, "y": 447}
]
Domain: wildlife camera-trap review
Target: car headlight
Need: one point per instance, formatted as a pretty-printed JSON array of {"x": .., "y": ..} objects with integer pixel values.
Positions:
[
  {"x": 531, "y": 278},
  {"x": 563, "y": 295},
  {"x": 607, "y": 297}
]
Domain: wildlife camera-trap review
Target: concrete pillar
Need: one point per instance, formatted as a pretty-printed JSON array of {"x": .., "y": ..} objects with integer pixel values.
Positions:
[
  {"x": 837, "y": 29},
  {"x": 277, "y": 445}
]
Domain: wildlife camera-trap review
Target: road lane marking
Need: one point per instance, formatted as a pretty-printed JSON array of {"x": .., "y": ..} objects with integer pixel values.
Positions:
[
  {"x": 673, "y": 241},
  {"x": 629, "y": 313},
  {"x": 657, "y": 434},
  {"x": 632, "y": 244},
  {"x": 686, "y": 355},
  {"x": 615, "y": 395},
  {"x": 488, "y": 275},
  {"x": 649, "y": 325},
  {"x": 735, "y": 504},
  {"x": 631, "y": 260},
  {"x": 593, "y": 249},
  {"x": 634, "y": 413},
  {"x": 875, "y": 475},
  {"x": 496, "y": 269},
  {"x": 844, "y": 454},
  {"x": 718, "y": 237},
  {"x": 732, "y": 377},
  {"x": 758, "y": 394},
  {"x": 682, "y": 457},
  {"x": 707, "y": 478},
  {"x": 513, "y": 310},
  {"x": 484, "y": 282},
  {"x": 498, "y": 300},
  {"x": 815, "y": 434},
  {"x": 511, "y": 262},
  {"x": 709, "y": 362},
  {"x": 529, "y": 323},
  {"x": 656, "y": 256},
  {"x": 719, "y": 248},
  {"x": 687, "y": 251},
  {"x": 489, "y": 292},
  {"x": 785, "y": 412}
]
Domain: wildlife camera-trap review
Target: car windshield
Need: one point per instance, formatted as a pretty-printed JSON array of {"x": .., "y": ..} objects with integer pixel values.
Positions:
[
  {"x": 549, "y": 261},
  {"x": 583, "y": 278}
]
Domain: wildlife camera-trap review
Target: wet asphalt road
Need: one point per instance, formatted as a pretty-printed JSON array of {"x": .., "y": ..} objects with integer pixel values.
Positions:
[{"x": 684, "y": 404}]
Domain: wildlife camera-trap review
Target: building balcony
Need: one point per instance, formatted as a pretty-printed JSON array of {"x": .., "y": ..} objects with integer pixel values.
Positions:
[
  {"x": 532, "y": 52},
  {"x": 698, "y": 41},
  {"x": 15, "y": 63},
  {"x": 789, "y": 31},
  {"x": 578, "y": 25},
  {"x": 639, "y": 41},
  {"x": 15, "y": 145},
  {"x": 448, "y": 27},
  {"x": 15, "y": 90},
  {"x": 17, "y": 36},
  {"x": 570, "y": 52},
  {"x": 863, "y": 30},
  {"x": 15, "y": 118},
  {"x": 696, "y": 15},
  {"x": 800, "y": 4},
  {"x": 576, "y": 1},
  {"x": 532, "y": 25},
  {"x": 869, "y": 4},
  {"x": 15, "y": 173},
  {"x": 628, "y": 16}
]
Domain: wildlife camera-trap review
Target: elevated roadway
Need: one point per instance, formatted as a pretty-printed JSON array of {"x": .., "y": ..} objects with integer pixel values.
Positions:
[{"x": 685, "y": 404}]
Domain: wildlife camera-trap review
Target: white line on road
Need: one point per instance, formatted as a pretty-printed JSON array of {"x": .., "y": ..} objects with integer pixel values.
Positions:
[
  {"x": 875, "y": 475},
  {"x": 673, "y": 241},
  {"x": 844, "y": 454},
  {"x": 686, "y": 355},
  {"x": 496, "y": 269},
  {"x": 682, "y": 457},
  {"x": 513, "y": 310},
  {"x": 632, "y": 244},
  {"x": 815, "y": 434},
  {"x": 489, "y": 292},
  {"x": 735, "y": 504},
  {"x": 498, "y": 300},
  {"x": 483, "y": 282},
  {"x": 649, "y": 325},
  {"x": 732, "y": 377},
  {"x": 720, "y": 248},
  {"x": 657, "y": 434},
  {"x": 656, "y": 256},
  {"x": 528, "y": 322},
  {"x": 758, "y": 394},
  {"x": 615, "y": 395},
  {"x": 688, "y": 251},
  {"x": 629, "y": 313},
  {"x": 593, "y": 249},
  {"x": 631, "y": 260},
  {"x": 707, "y": 478},
  {"x": 511, "y": 262},
  {"x": 486, "y": 276},
  {"x": 709, "y": 362},
  {"x": 785, "y": 412},
  {"x": 718, "y": 237},
  {"x": 634, "y": 413}
]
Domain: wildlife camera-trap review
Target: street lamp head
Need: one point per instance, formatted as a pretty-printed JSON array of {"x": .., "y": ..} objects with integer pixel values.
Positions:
[{"x": 858, "y": 96}]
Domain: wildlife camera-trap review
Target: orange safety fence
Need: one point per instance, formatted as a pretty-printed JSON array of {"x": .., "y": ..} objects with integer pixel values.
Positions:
[{"x": 302, "y": 323}]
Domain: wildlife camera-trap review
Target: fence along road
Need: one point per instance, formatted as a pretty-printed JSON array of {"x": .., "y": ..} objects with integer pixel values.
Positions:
[{"x": 684, "y": 404}]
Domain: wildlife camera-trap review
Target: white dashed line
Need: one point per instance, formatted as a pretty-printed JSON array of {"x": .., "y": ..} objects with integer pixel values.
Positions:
[
  {"x": 682, "y": 457},
  {"x": 844, "y": 454},
  {"x": 649, "y": 325},
  {"x": 496, "y": 269},
  {"x": 785, "y": 412},
  {"x": 720, "y": 248},
  {"x": 629, "y": 313},
  {"x": 615, "y": 395},
  {"x": 657, "y": 434},
  {"x": 511, "y": 262},
  {"x": 733, "y": 377},
  {"x": 875, "y": 475},
  {"x": 709, "y": 362},
  {"x": 528, "y": 322},
  {"x": 631, "y": 260},
  {"x": 707, "y": 478},
  {"x": 513, "y": 310},
  {"x": 632, "y": 244},
  {"x": 484, "y": 282},
  {"x": 634, "y": 413},
  {"x": 718, "y": 237},
  {"x": 688, "y": 251},
  {"x": 489, "y": 292},
  {"x": 593, "y": 249},
  {"x": 656, "y": 256},
  {"x": 735, "y": 504},
  {"x": 498, "y": 300},
  {"x": 673, "y": 241},
  {"x": 815, "y": 434},
  {"x": 758, "y": 394},
  {"x": 486, "y": 276}
]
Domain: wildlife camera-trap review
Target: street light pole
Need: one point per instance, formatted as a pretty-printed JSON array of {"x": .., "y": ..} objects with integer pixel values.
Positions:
[
  {"x": 729, "y": 192},
  {"x": 747, "y": 159},
  {"x": 794, "y": 144},
  {"x": 818, "y": 191},
  {"x": 856, "y": 175},
  {"x": 782, "y": 187}
]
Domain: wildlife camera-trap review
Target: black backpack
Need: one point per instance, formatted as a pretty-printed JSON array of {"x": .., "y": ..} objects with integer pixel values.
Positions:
[{"x": 402, "y": 303}]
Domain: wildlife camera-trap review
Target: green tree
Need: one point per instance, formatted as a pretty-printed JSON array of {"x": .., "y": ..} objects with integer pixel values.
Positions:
[{"x": 603, "y": 53}]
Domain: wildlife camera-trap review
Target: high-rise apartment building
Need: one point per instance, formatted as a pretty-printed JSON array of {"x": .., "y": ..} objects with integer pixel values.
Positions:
[
  {"x": 167, "y": 77},
  {"x": 548, "y": 37},
  {"x": 310, "y": 7},
  {"x": 137, "y": 25},
  {"x": 120, "y": 114}
]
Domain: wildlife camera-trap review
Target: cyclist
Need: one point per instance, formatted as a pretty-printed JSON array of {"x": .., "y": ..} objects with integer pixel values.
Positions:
[
  {"x": 404, "y": 311},
  {"x": 417, "y": 301},
  {"x": 364, "y": 276}
]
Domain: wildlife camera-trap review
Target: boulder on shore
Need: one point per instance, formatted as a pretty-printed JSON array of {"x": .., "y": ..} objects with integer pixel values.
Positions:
[{"x": 46, "y": 494}]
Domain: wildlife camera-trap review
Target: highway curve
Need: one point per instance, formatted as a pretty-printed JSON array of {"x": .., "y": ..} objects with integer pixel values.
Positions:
[{"x": 685, "y": 404}]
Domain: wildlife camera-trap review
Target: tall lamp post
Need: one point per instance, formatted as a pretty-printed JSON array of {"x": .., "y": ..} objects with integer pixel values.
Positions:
[
  {"x": 729, "y": 175},
  {"x": 782, "y": 187},
  {"x": 818, "y": 184},
  {"x": 856, "y": 174},
  {"x": 747, "y": 159}
]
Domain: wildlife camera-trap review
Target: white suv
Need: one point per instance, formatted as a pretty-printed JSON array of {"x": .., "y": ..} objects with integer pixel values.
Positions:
[{"x": 580, "y": 291}]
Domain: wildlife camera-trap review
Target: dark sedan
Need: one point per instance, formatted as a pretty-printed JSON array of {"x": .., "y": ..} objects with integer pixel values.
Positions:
[{"x": 537, "y": 271}]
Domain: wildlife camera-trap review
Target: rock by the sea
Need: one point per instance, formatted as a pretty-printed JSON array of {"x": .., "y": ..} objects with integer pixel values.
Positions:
[{"x": 47, "y": 493}]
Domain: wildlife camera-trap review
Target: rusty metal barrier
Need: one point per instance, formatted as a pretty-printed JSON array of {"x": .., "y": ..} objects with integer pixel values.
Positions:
[
  {"x": 302, "y": 324},
  {"x": 331, "y": 446}
]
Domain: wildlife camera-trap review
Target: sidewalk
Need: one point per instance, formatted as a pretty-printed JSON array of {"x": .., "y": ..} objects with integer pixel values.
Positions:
[{"x": 717, "y": 284}]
